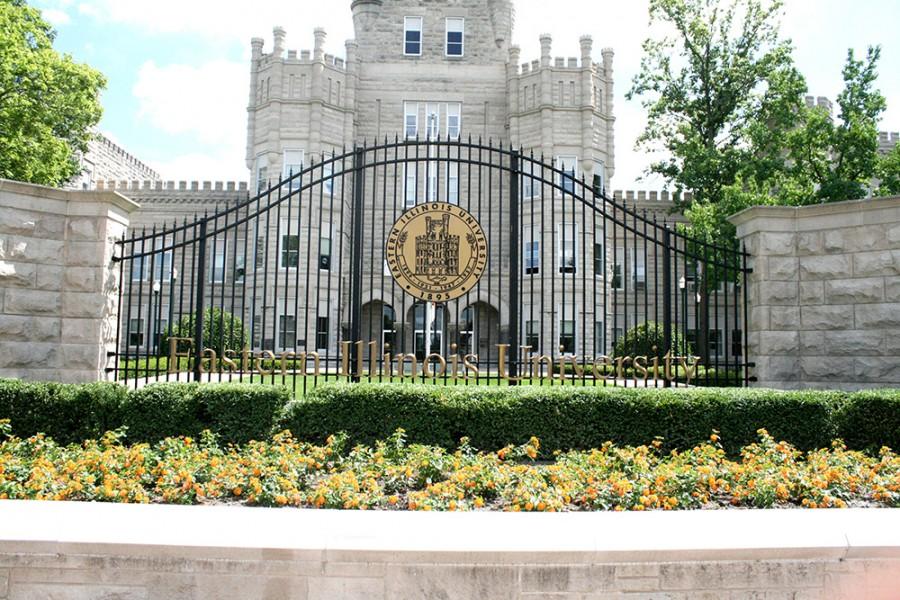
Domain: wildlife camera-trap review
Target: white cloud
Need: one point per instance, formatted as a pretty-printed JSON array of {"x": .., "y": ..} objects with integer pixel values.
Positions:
[
  {"x": 208, "y": 101},
  {"x": 56, "y": 17},
  {"x": 226, "y": 164}
]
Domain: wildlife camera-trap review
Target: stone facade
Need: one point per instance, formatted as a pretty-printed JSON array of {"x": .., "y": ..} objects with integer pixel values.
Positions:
[
  {"x": 824, "y": 293},
  {"x": 58, "y": 283},
  {"x": 106, "y": 160}
]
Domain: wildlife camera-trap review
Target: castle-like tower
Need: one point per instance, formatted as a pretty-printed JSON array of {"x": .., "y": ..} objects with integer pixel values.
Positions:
[{"x": 404, "y": 75}]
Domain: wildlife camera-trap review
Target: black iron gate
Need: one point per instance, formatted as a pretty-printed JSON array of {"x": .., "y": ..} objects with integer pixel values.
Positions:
[{"x": 295, "y": 286}]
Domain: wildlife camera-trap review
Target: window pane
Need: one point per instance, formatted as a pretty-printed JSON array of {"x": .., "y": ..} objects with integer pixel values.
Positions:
[
  {"x": 325, "y": 253},
  {"x": 568, "y": 240},
  {"x": 322, "y": 333}
]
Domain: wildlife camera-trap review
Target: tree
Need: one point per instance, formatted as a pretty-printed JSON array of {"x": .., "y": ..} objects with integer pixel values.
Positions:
[
  {"x": 721, "y": 95},
  {"x": 649, "y": 339},
  {"x": 889, "y": 173},
  {"x": 48, "y": 102},
  {"x": 836, "y": 161},
  {"x": 221, "y": 331}
]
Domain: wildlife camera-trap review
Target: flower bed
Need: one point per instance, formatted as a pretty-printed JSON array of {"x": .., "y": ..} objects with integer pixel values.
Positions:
[{"x": 394, "y": 475}]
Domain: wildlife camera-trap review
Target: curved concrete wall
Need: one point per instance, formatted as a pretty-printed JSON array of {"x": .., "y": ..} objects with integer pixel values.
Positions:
[{"x": 82, "y": 550}]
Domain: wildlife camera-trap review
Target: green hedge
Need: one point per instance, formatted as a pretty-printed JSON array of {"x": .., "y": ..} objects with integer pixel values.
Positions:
[
  {"x": 237, "y": 413},
  {"x": 562, "y": 417},
  {"x": 582, "y": 418}
]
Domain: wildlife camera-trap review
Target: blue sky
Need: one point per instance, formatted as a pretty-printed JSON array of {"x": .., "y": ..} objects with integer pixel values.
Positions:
[{"x": 178, "y": 70}]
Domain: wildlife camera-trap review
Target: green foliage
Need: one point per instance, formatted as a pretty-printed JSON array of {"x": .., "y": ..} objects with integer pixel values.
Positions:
[
  {"x": 48, "y": 102},
  {"x": 237, "y": 413},
  {"x": 889, "y": 173},
  {"x": 649, "y": 339},
  {"x": 221, "y": 331},
  {"x": 583, "y": 417}
]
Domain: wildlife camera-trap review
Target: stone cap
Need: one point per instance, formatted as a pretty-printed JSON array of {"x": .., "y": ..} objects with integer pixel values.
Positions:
[
  {"x": 814, "y": 217},
  {"x": 49, "y": 199}
]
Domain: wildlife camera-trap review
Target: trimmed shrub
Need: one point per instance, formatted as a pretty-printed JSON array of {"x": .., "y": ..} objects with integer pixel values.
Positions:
[
  {"x": 237, "y": 413},
  {"x": 649, "y": 339},
  {"x": 871, "y": 419},
  {"x": 567, "y": 418},
  {"x": 221, "y": 331}
]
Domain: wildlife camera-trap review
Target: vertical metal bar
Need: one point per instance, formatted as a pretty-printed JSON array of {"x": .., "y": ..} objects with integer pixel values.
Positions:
[
  {"x": 514, "y": 243},
  {"x": 746, "y": 334},
  {"x": 198, "y": 307},
  {"x": 356, "y": 254},
  {"x": 667, "y": 294}
]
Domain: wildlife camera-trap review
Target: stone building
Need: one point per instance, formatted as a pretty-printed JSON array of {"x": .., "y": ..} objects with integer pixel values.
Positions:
[{"x": 105, "y": 161}]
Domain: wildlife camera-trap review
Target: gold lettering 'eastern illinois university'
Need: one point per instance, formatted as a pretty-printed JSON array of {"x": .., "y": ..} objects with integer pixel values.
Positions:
[{"x": 437, "y": 251}]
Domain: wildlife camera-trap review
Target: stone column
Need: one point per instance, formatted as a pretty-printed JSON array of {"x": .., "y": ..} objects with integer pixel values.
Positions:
[
  {"x": 59, "y": 287},
  {"x": 824, "y": 295}
]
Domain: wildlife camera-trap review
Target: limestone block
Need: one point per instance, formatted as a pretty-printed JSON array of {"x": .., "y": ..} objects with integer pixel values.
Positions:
[
  {"x": 32, "y": 302},
  {"x": 86, "y": 254},
  {"x": 813, "y": 343},
  {"x": 17, "y": 221},
  {"x": 826, "y": 267},
  {"x": 810, "y": 243},
  {"x": 65, "y": 591},
  {"x": 84, "y": 229},
  {"x": 37, "y": 250},
  {"x": 783, "y": 269},
  {"x": 892, "y": 289},
  {"x": 882, "y": 316},
  {"x": 80, "y": 356},
  {"x": 12, "y": 249},
  {"x": 893, "y": 235},
  {"x": 570, "y": 578},
  {"x": 779, "y": 293},
  {"x": 867, "y": 264},
  {"x": 844, "y": 291},
  {"x": 825, "y": 368},
  {"x": 812, "y": 292},
  {"x": 778, "y": 342},
  {"x": 776, "y": 368},
  {"x": 851, "y": 343},
  {"x": 50, "y": 277},
  {"x": 880, "y": 369},
  {"x": 83, "y": 279},
  {"x": 34, "y": 355},
  {"x": 777, "y": 243},
  {"x": 17, "y": 328},
  {"x": 785, "y": 317},
  {"x": 82, "y": 331},
  {"x": 855, "y": 239},
  {"x": 450, "y": 582},
  {"x": 360, "y": 588},
  {"x": 84, "y": 305},
  {"x": 759, "y": 318},
  {"x": 16, "y": 274},
  {"x": 827, "y": 317},
  {"x": 4, "y": 582}
]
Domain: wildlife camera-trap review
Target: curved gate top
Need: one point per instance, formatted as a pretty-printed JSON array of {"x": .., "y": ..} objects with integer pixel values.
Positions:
[{"x": 444, "y": 261}]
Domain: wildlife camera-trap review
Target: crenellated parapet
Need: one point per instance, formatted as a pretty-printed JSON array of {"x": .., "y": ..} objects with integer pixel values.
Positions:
[{"x": 171, "y": 186}]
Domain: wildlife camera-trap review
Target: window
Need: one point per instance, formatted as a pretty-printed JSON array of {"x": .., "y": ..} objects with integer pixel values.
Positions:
[
  {"x": 412, "y": 36},
  {"x": 618, "y": 268},
  {"x": 431, "y": 190},
  {"x": 410, "y": 193},
  {"x": 290, "y": 247},
  {"x": 158, "y": 334},
  {"x": 529, "y": 186},
  {"x": 240, "y": 269},
  {"x": 428, "y": 319},
  {"x": 455, "y": 36},
  {"x": 262, "y": 175},
  {"x": 328, "y": 174},
  {"x": 136, "y": 332},
  {"x": 532, "y": 258},
  {"x": 467, "y": 331},
  {"x": 161, "y": 261},
  {"x": 287, "y": 331},
  {"x": 599, "y": 337},
  {"x": 453, "y": 183},
  {"x": 260, "y": 252},
  {"x": 432, "y": 121},
  {"x": 569, "y": 167},
  {"x": 325, "y": 247},
  {"x": 388, "y": 327},
  {"x": 715, "y": 342},
  {"x": 568, "y": 247},
  {"x": 617, "y": 334},
  {"x": 454, "y": 120},
  {"x": 217, "y": 262},
  {"x": 257, "y": 331},
  {"x": 599, "y": 178},
  {"x": 533, "y": 335},
  {"x": 322, "y": 334},
  {"x": 411, "y": 119},
  {"x": 638, "y": 270},
  {"x": 599, "y": 260},
  {"x": 293, "y": 165},
  {"x": 567, "y": 330}
]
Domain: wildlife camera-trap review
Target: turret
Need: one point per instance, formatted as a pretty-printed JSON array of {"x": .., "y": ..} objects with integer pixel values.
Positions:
[{"x": 278, "y": 34}]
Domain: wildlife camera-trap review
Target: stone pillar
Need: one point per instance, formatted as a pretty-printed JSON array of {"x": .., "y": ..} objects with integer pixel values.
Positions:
[
  {"x": 824, "y": 295},
  {"x": 59, "y": 287}
]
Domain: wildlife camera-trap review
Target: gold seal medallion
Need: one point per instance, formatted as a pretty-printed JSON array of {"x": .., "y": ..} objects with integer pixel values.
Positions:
[{"x": 437, "y": 251}]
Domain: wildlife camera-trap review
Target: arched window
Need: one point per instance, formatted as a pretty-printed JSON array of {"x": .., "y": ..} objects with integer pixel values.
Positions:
[
  {"x": 388, "y": 327},
  {"x": 428, "y": 323},
  {"x": 467, "y": 331}
]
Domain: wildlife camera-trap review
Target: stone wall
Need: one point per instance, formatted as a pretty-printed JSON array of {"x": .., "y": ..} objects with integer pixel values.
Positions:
[
  {"x": 58, "y": 284},
  {"x": 74, "y": 551},
  {"x": 106, "y": 160},
  {"x": 824, "y": 294}
]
